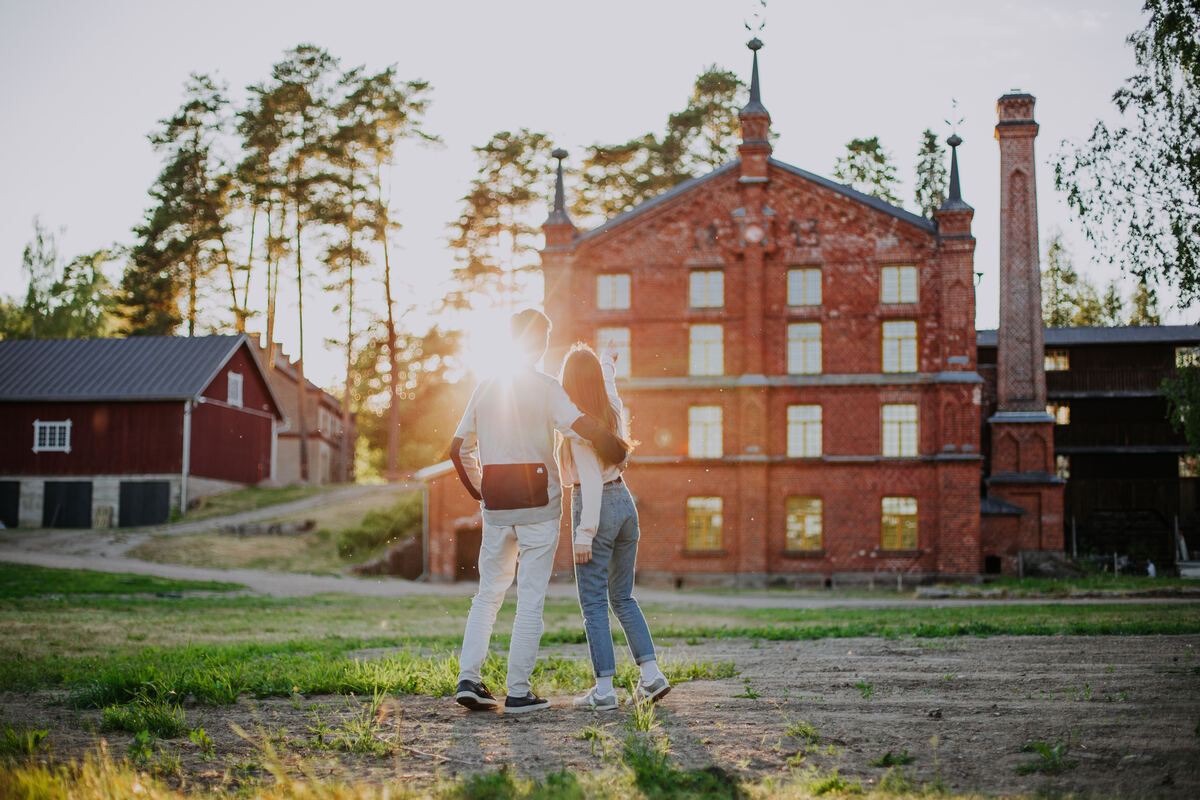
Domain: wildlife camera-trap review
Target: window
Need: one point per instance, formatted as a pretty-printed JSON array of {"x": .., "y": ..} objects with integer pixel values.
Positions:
[
  {"x": 52, "y": 437},
  {"x": 804, "y": 287},
  {"x": 804, "y": 431},
  {"x": 1062, "y": 466},
  {"x": 704, "y": 523},
  {"x": 804, "y": 348},
  {"x": 707, "y": 350},
  {"x": 706, "y": 288},
  {"x": 1189, "y": 467},
  {"x": 804, "y": 523},
  {"x": 1187, "y": 356},
  {"x": 612, "y": 291},
  {"x": 898, "y": 526},
  {"x": 1060, "y": 411},
  {"x": 900, "y": 346},
  {"x": 618, "y": 340},
  {"x": 235, "y": 389},
  {"x": 1057, "y": 360},
  {"x": 900, "y": 430},
  {"x": 704, "y": 431},
  {"x": 898, "y": 285}
]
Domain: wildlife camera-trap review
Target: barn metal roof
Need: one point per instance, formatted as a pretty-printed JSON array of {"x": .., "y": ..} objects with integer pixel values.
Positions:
[
  {"x": 134, "y": 368},
  {"x": 1132, "y": 334}
]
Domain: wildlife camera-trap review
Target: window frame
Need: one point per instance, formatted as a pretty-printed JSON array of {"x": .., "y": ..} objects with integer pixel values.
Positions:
[
  {"x": 901, "y": 427},
  {"x": 708, "y": 433},
  {"x": 614, "y": 291},
  {"x": 913, "y": 351},
  {"x": 712, "y": 349},
  {"x": 805, "y": 534},
  {"x": 802, "y": 349},
  {"x": 235, "y": 379},
  {"x": 1060, "y": 410},
  {"x": 805, "y": 276},
  {"x": 1057, "y": 359},
  {"x": 624, "y": 366},
  {"x": 708, "y": 537},
  {"x": 56, "y": 438},
  {"x": 707, "y": 277},
  {"x": 804, "y": 430},
  {"x": 898, "y": 284},
  {"x": 898, "y": 517}
]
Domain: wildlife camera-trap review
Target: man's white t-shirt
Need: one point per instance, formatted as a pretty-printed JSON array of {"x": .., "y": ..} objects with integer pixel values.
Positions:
[{"x": 508, "y": 446}]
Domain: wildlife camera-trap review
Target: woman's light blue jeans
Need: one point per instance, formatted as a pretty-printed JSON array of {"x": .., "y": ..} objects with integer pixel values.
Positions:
[{"x": 607, "y": 580}]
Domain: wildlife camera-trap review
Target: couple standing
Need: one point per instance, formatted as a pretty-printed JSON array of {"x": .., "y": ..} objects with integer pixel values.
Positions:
[{"x": 504, "y": 452}]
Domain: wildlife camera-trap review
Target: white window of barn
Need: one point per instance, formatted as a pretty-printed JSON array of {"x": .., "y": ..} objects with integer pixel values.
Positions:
[
  {"x": 706, "y": 354},
  {"x": 705, "y": 431},
  {"x": 1187, "y": 356},
  {"x": 804, "y": 348},
  {"x": 52, "y": 437},
  {"x": 706, "y": 288},
  {"x": 612, "y": 291},
  {"x": 804, "y": 287},
  {"x": 235, "y": 389},
  {"x": 1060, "y": 411},
  {"x": 617, "y": 339},
  {"x": 898, "y": 285}
]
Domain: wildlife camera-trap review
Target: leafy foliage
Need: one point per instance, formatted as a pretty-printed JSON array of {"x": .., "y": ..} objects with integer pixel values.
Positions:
[
  {"x": 1182, "y": 393},
  {"x": 381, "y": 527},
  {"x": 1071, "y": 300},
  {"x": 930, "y": 191},
  {"x": 867, "y": 167},
  {"x": 1136, "y": 185}
]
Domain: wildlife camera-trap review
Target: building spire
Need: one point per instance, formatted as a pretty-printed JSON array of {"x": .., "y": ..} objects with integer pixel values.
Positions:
[
  {"x": 954, "y": 201},
  {"x": 755, "y": 105},
  {"x": 559, "y": 216}
]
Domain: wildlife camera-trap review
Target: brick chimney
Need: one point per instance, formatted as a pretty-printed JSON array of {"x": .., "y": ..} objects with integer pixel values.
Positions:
[
  {"x": 1022, "y": 432},
  {"x": 1021, "y": 387}
]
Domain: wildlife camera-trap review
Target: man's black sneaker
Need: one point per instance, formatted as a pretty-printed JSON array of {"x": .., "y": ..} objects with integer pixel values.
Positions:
[
  {"x": 475, "y": 696},
  {"x": 519, "y": 705}
]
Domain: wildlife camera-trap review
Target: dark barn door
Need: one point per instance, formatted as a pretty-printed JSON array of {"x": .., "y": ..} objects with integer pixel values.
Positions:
[
  {"x": 144, "y": 503},
  {"x": 10, "y": 503},
  {"x": 67, "y": 504}
]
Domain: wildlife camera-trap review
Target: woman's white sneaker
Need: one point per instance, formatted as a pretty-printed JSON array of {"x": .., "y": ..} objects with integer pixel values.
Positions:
[
  {"x": 654, "y": 691},
  {"x": 593, "y": 701}
]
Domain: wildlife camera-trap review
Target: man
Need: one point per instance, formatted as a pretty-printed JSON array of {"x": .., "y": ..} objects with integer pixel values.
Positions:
[{"x": 503, "y": 451}]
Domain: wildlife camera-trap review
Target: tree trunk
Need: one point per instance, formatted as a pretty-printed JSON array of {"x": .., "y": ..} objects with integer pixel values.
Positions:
[
  {"x": 301, "y": 393},
  {"x": 392, "y": 469},
  {"x": 272, "y": 282},
  {"x": 344, "y": 448}
]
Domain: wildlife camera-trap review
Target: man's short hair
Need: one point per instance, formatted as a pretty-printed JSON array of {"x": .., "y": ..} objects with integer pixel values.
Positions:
[{"x": 530, "y": 330}]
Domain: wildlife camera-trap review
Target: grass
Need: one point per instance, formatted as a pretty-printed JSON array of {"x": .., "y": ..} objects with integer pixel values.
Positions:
[
  {"x": 22, "y": 742},
  {"x": 1052, "y": 758},
  {"x": 345, "y": 533},
  {"x": 1062, "y": 587},
  {"x": 250, "y": 498},
  {"x": 25, "y": 580}
]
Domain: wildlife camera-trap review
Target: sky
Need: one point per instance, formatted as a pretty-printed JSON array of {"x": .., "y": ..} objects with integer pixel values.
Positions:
[{"x": 82, "y": 83}]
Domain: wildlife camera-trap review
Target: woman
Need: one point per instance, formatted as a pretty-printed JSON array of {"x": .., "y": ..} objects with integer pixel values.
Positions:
[{"x": 605, "y": 535}]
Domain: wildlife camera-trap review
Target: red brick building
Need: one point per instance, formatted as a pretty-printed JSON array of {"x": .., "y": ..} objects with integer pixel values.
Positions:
[{"x": 799, "y": 364}]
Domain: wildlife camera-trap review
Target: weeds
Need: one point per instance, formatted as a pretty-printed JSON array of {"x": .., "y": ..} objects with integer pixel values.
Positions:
[
  {"x": 1052, "y": 758},
  {"x": 747, "y": 691},
  {"x": 865, "y": 689},
  {"x": 146, "y": 714},
  {"x": 22, "y": 742},
  {"x": 890, "y": 759},
  {"x": 802, "y": 730}
]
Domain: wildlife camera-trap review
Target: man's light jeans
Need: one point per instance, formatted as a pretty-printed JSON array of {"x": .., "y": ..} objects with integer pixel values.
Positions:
[{"x": 502, "y": 549}]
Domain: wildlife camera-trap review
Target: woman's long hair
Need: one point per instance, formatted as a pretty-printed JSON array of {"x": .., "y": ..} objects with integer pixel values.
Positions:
[{"x": 583, "y": 380}]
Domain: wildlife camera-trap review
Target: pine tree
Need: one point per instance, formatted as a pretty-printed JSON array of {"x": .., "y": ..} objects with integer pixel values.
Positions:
[
  {"x": 868, "y": 168},
  {"x": 930, "y": 189},
  {"x": 1145, "y": 305},
  {"x": 1059, "y": 284}
]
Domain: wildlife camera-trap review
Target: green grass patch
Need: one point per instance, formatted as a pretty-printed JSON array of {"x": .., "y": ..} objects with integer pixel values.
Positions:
[
  {"x": 25, "y": 580},
  {"x": 252, "y": 497},
  {"x": 1062, "y": 587},
  {"x": 21, "y": 741},
  {"x": 154, "y": 714},
  {"x": 380, "y": 528}
]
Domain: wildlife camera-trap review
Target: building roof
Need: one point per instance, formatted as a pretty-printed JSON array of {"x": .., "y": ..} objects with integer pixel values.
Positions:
[
  {"x": 133, "y": 368},
  {"x": 1132, "y": 334},
  {"x": 687, "y": 186}
]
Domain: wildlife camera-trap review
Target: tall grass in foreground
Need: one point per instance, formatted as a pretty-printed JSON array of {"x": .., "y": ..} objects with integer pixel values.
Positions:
[{"x": 643, "y": 771}]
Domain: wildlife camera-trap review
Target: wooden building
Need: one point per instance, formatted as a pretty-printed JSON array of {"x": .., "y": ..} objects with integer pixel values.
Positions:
[
  {"x": 102, "y": 432},
  {"x": 1129, "y": 482}
]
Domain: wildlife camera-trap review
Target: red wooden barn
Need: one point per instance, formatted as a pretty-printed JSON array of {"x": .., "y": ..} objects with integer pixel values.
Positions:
[{"x": 100, "y": 432}]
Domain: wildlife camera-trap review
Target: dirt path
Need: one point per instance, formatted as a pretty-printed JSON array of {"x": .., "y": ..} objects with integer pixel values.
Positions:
[{"x": 1126, "y": 709}]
